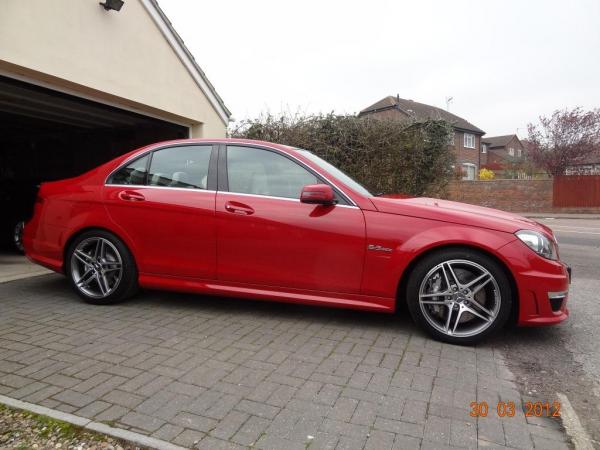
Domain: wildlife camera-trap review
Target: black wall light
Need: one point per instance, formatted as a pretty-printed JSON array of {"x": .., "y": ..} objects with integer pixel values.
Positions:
[{"x": 115, "y": 5}]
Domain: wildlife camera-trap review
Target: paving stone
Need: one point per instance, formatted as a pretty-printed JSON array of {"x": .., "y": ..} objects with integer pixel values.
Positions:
[
  {"x": 380, "y": 440},
  {"x": 491, "y": 430},
  {"x": 111, "y": 414},
  {"x": 437, "y": 429},
  {"x": 167, "y": 432},
  {"x": 350, "y": 443},
  {"x": 126, "y": 399},
  {"x": 229, "y": 425},
  {"x": 269, "y": 442},
  {"x": 73, "y": 398},
  {"x": 257, "y": 409},
  {"x": 396, "y": 426},
  {"x": 189, "y": 438},
  {"x": 211, "y": 443},
  {"x": 250, "y": 431},
  {"x": 141, "y": 421},
  {"x": 403, "y": 442},
  {"x": 194, "y": 422},
  {"x": 93, "y": 409},
  {"x": 15, "y": 381},
  {"x": 463, "y": 434},
  {"x": 27, "y": 390},
  {"x": 517, "y": 436},
  {"x": 548, "y": 444}
]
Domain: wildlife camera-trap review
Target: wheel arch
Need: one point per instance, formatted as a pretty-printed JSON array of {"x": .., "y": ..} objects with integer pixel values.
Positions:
[
  {"x": 69, "y": 241},
  {"x": 403, "y": 282}
]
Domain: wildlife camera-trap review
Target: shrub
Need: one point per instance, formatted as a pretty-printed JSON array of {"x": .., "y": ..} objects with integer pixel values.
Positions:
[
  {"x": 386, "y": 156},
  {"x": 486, "y": 174}
]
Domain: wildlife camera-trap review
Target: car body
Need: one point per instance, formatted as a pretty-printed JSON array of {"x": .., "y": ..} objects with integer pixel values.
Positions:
[{"x": 226, "y": 234}]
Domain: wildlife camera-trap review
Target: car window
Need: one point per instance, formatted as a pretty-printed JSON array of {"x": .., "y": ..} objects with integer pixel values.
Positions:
[
  {"x": 183, "y": 166},
  {"x": 262, "y": 172},
  {"x": 133, "y": 173}
]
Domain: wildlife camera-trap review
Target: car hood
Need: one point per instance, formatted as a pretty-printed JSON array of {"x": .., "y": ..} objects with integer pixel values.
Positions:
[{"x": 459, "y": 213}]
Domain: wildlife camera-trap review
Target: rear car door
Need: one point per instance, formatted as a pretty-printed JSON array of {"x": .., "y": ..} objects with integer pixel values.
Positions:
[
  {"x": 267, "y": 237},
  {"x": 165, "y": 202}
]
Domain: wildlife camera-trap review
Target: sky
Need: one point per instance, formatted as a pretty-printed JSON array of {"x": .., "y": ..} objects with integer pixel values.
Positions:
[{"x": 504, "y": 62}]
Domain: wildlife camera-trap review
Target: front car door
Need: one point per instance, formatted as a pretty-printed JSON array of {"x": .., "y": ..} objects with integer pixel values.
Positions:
[
  {"x": 267, "y": 237},
  {"x": 165, "y": 202}
]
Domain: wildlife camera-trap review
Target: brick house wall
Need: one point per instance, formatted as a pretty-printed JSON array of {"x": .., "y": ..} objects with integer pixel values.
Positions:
[
  {"x": 465, "y": 154},
  {"x": 501, "y": 155},
  {"x": 483, "y": 157}
]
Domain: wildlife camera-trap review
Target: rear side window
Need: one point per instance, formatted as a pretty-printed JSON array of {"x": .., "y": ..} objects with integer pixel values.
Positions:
[
  {"x": 134, "y": 173},
  {"x": 183, "y": 167}
]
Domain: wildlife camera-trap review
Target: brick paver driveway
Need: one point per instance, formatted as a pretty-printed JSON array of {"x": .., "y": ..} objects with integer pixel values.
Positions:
[{"x": 226, "y": 373}]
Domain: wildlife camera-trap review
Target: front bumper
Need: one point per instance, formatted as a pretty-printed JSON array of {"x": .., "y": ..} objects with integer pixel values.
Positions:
[{"x": 542, "y": 286}]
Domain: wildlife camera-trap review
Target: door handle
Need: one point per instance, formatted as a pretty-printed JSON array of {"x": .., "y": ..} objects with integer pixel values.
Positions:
[
  {"x": 238, "y": 208},
  {"x": 131, "y": 196}
]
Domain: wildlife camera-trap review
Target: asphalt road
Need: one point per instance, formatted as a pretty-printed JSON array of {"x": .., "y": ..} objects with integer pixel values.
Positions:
[{"x": 566, "y": 358}]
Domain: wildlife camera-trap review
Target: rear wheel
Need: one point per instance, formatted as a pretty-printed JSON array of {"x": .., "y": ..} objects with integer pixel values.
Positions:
[
  {"x": 101, "y": 268},
  {"x": 18, "y": 235},
  {"x": 459, "y": 296}
]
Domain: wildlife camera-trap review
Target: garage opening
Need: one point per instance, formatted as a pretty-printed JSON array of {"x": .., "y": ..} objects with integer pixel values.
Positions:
[{"x": 47, "y": 135}]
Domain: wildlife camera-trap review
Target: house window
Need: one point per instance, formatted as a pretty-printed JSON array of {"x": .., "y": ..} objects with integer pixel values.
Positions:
[
  {"x": 511, "y": 151},
  {"x": 483, "y": 148},
  {"x": 519, "y": 152},
  {"x": 468, "y": 171},
  {"x": 469, "y": 140}
]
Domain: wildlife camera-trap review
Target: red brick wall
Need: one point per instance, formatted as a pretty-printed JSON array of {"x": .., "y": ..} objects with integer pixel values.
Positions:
[{"x": 509, "y": 195}]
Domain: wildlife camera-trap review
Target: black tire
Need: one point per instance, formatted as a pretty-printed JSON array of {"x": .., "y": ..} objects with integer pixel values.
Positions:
[
  {"x": 425, "y": 314},
  {"x": 18, "y": 236},
  {"x": 127, "y": 285}
]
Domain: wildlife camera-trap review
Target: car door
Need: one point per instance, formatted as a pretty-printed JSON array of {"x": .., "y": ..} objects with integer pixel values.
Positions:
[
  {"x": 165, "y": 202},
  {"x": 266, "y": 236}
]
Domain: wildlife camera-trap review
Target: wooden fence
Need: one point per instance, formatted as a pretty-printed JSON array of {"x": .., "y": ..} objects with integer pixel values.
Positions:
[{"x": 576, "y": 191}]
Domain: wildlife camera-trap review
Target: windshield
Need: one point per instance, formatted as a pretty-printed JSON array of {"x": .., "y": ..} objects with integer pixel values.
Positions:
[{"x": 337, "y": 173}]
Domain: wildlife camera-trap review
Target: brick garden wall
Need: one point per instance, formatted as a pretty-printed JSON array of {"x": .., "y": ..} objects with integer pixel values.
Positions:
[{"x": 509, "y": 195}]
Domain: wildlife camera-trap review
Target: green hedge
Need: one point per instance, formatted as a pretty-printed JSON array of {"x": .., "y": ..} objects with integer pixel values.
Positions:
[{"x": 386, "y": 156}]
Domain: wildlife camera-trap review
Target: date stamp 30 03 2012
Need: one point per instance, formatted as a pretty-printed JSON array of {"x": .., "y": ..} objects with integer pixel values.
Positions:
[{"x": 508, "y": 409}]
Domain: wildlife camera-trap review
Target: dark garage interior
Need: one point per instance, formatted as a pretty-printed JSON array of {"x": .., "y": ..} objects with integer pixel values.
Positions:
[{"x": 46, "y": 135}]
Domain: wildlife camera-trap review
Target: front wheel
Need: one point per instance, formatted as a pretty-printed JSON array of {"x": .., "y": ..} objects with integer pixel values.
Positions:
[
  {"x": 101, "y": 268},
  {"x": 459, "y": 296}
]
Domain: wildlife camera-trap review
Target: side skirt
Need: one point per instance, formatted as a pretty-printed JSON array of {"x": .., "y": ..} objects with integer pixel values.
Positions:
[{"x": 239, "y": 290}]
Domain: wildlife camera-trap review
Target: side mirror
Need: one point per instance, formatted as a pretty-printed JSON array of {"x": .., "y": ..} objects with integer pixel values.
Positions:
[{"x": 317, "y": 194}]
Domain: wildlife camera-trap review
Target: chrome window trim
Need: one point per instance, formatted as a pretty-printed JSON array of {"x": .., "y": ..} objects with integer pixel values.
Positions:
[
  {"x": 241, "y": 144},
  {"x": 144, "y": 186},
  {"x": 279, "y": 198}
]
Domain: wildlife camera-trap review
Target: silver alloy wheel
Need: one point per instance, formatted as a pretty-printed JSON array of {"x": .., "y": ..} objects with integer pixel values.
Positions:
[
  {"x": 96, "y": 267},
  {"x": 18, "y": 235},
  {"x": 459, "y": 298}
]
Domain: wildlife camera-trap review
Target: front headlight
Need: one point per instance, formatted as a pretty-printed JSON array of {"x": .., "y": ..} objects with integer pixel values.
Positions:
[{"x": 539, "y": 243}]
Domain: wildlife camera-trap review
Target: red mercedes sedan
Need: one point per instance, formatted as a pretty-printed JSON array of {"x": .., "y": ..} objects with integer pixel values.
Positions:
[{"x": 259, "y": 220}]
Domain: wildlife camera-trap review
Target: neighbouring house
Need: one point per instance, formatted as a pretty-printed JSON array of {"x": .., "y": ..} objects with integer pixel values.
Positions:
[
  {"x": 502, "y": 152},
  {"x": 465, "y": 142},
  {"x": 589, "y": 165}
]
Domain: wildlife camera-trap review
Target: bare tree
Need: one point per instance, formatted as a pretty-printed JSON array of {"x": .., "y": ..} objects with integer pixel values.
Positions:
[{"x": 565, "y": 138}]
